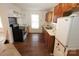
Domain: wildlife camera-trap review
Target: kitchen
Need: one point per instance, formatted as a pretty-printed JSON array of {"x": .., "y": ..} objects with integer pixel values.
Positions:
[
  {"x": 61, "y": 29},
  {"x": 57, "y": 33}
]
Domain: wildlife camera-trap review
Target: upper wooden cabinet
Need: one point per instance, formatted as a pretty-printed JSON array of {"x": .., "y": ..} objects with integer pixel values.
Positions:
[
  {"x": 58, "y": 10},
  {"x": 75, "y": 5},
  {"x": 61, "y": 8},
  {"x": 66, "y": 6},
  {"x": 49, "y": 16}
]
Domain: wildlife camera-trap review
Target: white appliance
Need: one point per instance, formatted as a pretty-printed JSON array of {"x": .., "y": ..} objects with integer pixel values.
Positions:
[{"x": 67, "y": 31}]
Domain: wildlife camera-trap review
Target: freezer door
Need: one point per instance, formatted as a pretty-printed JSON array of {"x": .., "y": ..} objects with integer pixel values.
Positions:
[{"x": 62, "y": 29}]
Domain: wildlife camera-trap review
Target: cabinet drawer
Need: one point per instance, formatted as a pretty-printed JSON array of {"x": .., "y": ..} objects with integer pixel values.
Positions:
[{"x": 59, "y": 50}]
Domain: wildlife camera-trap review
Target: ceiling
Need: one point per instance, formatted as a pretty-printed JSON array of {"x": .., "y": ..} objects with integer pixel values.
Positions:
[{"x": 36, "y": 6}]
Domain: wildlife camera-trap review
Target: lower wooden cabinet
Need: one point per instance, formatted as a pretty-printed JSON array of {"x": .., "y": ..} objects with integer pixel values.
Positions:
[{"x": 49, "y": 40}]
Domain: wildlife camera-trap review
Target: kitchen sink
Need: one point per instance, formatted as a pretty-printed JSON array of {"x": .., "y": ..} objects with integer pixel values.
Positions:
[{"x": 49, "y": 28}]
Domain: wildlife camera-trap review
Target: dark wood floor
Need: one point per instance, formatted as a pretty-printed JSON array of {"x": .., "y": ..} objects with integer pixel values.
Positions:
[{"x": 32, "y": 46}]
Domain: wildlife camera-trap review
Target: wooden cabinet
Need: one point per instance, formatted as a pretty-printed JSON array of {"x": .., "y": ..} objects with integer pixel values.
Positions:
[
  {"x": 48, "y": 17},
  {"x": 75, "y": 5},
  {"x": 66, "y": 7},
  {"x": 49, "y": 40},
  {"x": 61, "y": 8},
  {"x": 58, "y": 10}
]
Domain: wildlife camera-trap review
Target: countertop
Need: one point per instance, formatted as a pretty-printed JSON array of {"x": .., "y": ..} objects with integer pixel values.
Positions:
[
  {"x": 51, "y": 32},
  {"x": 8, "y": 50}
]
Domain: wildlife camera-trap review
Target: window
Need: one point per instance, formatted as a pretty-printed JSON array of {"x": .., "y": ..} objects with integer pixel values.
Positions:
[
  {"x": 35, "y": 21},
  {"x": 1, "y": 23}
]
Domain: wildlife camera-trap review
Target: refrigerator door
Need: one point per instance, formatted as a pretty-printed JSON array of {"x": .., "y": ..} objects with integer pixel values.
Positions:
[
  {"x": 73, "y": 42},
  {"x": 62, "y": 29}
]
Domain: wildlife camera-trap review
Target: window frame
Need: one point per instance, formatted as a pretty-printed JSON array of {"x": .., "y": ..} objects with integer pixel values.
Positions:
[{"x": 34, "y": 27}]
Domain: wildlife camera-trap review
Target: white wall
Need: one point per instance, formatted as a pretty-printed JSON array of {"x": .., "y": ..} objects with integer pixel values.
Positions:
[
  {"x": 4, "y": 15},
  {"x": 41, "y": 17},
  {"x": 15, "y": 11},
  {"x": 6, "y": 10}
]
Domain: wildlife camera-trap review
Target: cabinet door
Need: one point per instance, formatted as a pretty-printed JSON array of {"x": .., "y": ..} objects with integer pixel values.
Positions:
[
  {"x": 46, "y": 38},
  {"x": 75, "y": 6},
  {"x": 51, "y": 43},
  {"x": 66, "y": 6},
  {"x": 58, "y": 10}
]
